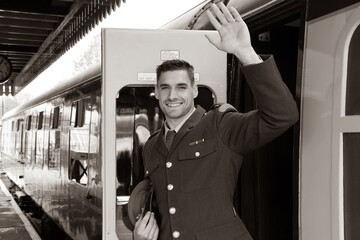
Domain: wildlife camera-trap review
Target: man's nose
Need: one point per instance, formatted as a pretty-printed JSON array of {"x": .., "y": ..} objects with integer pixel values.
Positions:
[{"x": 173, "y": 94}]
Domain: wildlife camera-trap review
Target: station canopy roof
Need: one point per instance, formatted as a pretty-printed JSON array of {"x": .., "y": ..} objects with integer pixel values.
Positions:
[{"x": 34, "y": 34}]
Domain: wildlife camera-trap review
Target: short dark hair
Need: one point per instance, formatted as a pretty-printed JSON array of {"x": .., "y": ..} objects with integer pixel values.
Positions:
[{"x": 175, "y": 64}]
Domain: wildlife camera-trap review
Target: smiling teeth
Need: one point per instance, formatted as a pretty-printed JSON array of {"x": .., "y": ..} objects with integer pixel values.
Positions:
[{"x": 174, "y": 104}]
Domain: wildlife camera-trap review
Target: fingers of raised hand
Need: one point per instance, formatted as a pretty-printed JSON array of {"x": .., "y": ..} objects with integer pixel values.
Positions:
[
  {"x": 213, "y": 20},
  {"x": 226, "y": 13},
  {"x": 222, "y": 15},
  {"x": 218, "y": 13},
  {"x": 235, "y": 14}
]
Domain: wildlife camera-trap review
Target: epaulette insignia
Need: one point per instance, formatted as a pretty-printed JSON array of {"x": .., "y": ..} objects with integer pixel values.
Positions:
[{"x": 225, "y": 107}]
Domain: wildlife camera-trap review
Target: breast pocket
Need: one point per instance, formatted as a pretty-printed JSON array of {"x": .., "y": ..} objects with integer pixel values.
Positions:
[
  {"x": 197, "y": 163},
  {"x": 198, "y": 149}
]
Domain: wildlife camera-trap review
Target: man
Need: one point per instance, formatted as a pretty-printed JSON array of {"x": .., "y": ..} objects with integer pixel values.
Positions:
[{"x": 194, "y": 178}]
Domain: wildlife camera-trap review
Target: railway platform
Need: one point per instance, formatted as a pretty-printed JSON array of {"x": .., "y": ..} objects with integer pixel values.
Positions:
[{"x": 13, "y": 223}]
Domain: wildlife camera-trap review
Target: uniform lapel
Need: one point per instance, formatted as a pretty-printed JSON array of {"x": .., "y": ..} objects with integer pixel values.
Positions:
[
  {"x": 189, "y": 124},
  {"x": 160, "y": 144}
]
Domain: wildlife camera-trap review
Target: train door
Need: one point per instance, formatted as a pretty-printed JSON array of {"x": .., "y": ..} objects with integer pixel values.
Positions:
[
  {"x": 130, "y": 112},
  {"x": 330, "y": 134}
]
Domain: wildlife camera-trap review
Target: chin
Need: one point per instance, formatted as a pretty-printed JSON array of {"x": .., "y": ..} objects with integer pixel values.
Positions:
[{"x": 174, "y": 115}]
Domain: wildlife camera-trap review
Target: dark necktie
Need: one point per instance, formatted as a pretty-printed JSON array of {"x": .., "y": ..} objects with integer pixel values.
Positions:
[{"x": 169, "y": 138}]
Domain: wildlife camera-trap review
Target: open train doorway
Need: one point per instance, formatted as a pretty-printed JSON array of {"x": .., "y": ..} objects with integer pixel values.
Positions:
[
  {"x": 267, "y": 194},
  {"x": 130, "y": 112}
]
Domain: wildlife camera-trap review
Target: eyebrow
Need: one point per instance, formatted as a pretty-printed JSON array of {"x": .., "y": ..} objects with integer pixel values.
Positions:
[
  {"x": 178, "y": 85},
  {"x": 164, "y": 85}
]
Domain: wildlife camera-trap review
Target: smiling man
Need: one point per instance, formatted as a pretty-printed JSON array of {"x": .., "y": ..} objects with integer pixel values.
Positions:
[
  {"x": 176, "y": 91},
  {"x": 194, "y": 160}
]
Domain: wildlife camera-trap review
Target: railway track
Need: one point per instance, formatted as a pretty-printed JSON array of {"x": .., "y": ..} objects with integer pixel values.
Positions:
[{"x": 42, "y": 223}]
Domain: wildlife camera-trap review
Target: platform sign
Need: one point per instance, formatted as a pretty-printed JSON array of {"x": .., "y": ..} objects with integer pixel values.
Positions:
[{"x": 130, "y": 58}]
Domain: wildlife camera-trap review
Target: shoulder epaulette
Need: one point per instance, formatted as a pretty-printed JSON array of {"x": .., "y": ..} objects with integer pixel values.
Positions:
[
  {"x": 216, "y": 105},
  {"x": 223, "y": 107},
  {"x": 226, "y": 107}
]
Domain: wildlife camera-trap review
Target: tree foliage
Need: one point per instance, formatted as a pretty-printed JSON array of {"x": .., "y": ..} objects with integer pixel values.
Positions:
[{"x": 89, "y": 56}]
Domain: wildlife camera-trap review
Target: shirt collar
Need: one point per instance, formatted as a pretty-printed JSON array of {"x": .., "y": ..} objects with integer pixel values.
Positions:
[{"x": 177, "y": 128}]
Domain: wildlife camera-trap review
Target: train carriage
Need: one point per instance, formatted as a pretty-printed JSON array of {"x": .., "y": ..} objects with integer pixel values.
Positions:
[
  {"x": 76, "y": 150},
  {"x": 53, "y": 152}
]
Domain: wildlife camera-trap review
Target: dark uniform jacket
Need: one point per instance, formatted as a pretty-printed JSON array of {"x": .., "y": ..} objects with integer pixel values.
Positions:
[{"x": 194, "y": 182}]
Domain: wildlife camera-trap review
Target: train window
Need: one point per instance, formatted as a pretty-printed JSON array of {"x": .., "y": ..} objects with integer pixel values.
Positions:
[
  {"x": 54, "y": 150},
  {"x": 79, "y": 141},
  {"x": 19, "y": 137},
  {"x": 28, "y": 123},
  {"x": 138, "y": 115},
  {"x": 5, "y": 131},
  {"x": 73, "y": 113},
  {"x": 54, "y": 140},
  {"x": 39, "y": 139},
  {"x": 78, "y": 113},
  {"x": 351, "y": 155},
  {"x": 40, "y": 120},
  {"x": 353, "y": 72},
  {"x": 28, "y": 142},
  {"x": 34, "y": 121},
  {"x": 55, "y": 118},
  {"x": 18, "y": 124},
  {"x": 4, "y": 136},
  {"x": 86, "y": 113}
]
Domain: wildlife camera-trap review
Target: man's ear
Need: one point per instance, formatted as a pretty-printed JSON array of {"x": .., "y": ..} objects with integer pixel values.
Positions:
[
  {"x": 195, "y": 90},
  {"x": 156, "y": 92}
]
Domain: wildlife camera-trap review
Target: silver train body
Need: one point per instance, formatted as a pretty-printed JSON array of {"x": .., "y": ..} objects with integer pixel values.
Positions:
[
  {"x": 37, "y": 154},
  {"x": 76, "y": 150}
]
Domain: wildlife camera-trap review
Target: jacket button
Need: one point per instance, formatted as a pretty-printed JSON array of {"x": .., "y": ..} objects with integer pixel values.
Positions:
[
  {"x": 168, "y": 164},
  {"x": 170, "y": 187},
  {"x": 172, "y": 210},
  {"x": 176, "y": 234},
  {"x": 197, "y": 154}
]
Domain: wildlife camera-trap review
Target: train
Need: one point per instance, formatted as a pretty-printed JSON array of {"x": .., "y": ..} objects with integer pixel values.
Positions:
[{"x": 77, "y": 149}]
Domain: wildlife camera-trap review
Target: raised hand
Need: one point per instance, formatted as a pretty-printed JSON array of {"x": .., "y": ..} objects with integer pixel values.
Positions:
[{"x": 234, "y": 36}]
